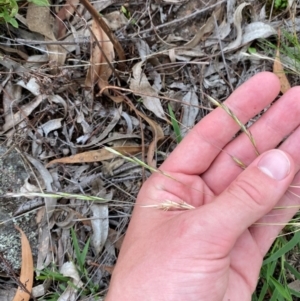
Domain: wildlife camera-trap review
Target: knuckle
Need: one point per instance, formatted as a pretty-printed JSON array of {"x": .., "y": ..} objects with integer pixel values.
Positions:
[{"x": 248, "y": 192}]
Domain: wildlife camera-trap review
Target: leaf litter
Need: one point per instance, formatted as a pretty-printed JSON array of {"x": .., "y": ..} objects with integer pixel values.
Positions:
[{"x": 64, "y": 109}]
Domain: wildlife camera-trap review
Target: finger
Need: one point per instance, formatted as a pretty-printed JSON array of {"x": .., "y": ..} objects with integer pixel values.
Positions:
[
  {"x": 252, "y": 195},
  {"x": 266, "y": 233},
  {"x": 276, "y": 124},
  {"x": 204, "y": 142}
]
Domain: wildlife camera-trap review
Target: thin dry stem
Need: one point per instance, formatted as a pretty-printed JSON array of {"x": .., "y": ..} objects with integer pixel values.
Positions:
[
  {"x": 171, "y": 205},
  {"x": 234, "y": 117}
]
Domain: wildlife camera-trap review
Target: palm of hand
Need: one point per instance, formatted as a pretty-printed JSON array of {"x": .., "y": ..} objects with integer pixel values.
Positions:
[{"x": 199, "y": 254}]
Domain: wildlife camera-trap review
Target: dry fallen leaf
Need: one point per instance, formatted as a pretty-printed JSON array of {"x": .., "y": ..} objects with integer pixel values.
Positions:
[
  {"x": 69, "y": 270},
  {"x": 139, "y": 82},
  {"x": 99, "y": 71},
  {"x": 97, "y": 155},
  {"x": 190, "y": 112},
  {"x": 238, "y": 17},
  {"x": 156, "y": 129},
  {"x": 279, "y": 71},
  {"x": 39, "y": 20},
  {"x": 100, "y": 226},
  {"x": 158, "y": 135},
  {"x": 25, "y": 111},
  {"x": 65, "y": 13},
  {"x": 26, "y": 277},
  {"x": 206, "y": 29}
]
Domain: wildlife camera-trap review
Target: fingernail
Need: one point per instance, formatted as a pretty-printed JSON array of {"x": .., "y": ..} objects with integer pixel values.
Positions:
[{"x": 275, "y": 164}]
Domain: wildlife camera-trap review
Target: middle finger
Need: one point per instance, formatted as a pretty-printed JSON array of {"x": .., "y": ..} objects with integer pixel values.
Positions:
[{"x": 277, "y": 123}]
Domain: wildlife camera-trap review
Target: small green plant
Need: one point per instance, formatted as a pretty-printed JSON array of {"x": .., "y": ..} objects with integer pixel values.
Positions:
[
  {"x": 80, "y": 256},
  {"x": 62, "y": 281},
  {"x": 280, "y": 4},
  {"x": 289, "y": 49},
  {"x": 252, "y": 50},
  {"x": 175, "y": 124},
  {"x": 127, "y": 14},
  {"x": 9, "y": 9},
  {"x": 273, "y": 283}
]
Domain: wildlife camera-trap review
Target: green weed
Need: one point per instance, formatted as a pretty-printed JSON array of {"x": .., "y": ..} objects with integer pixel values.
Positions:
[
  {"x": 9, "y": 10},
  {"x": 175, "y": 125},
  {"x": 273, "y": 283},
  {"x": 63, "y": 282}
]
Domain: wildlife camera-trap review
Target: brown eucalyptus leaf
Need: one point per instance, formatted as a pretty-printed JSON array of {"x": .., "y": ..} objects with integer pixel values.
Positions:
[
  {"x": 97, "y": 155},
  {"x": 26, "y": 277},
  {"x": 279, "y": 71},
  {"x": 99, "y": 71}
]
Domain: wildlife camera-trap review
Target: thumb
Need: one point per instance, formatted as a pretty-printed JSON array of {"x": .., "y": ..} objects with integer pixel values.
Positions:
[{"x": 251, "y": 195}]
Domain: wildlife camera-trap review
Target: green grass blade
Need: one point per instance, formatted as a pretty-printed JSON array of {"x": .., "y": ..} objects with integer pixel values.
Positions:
[
  {"x": 283, "y": 291},
  {"x": 85, "y": 250},
  {"x": 77, "y": 250},
  {"x": 274, "y": 296},
  {"x": 263, "y": 291},
  {"x": 175, "y": 124},
  {"x": 287, "y": 247},
  {"x": 266, "y": 272},
  {"x": 292, "y": 270}
]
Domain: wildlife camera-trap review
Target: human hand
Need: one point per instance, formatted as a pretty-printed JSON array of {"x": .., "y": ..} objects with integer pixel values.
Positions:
[{"x": 214, "y": 252}]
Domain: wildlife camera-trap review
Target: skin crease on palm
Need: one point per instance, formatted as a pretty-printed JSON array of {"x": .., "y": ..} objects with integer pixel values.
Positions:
[{"x": 214, "y": 252}]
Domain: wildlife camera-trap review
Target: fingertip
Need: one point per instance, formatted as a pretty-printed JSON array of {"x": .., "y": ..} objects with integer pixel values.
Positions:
[
  {"x": 293, "y": 92},
  {"x": 276, "y": 164},
  {"x": 268, "y": 80}
]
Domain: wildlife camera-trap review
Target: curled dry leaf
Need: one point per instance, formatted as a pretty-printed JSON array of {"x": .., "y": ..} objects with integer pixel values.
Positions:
[
  {"x": 99, "y": 70},
  {"x": 51, "y": 125},
  {"x": 257, "y": 30},
  {"x": 238, "y": 25},
  {"x": 26, "y": 277},
  {"x": 30, "y": 85},
  {"x": 25, "y": 111},
  {"x": 158, "y": 135},
  {"x": 139, "y": 82},
  {"x": 59, "y": 100},
  {"x": 69, "y": 270},
  {"x": 97, "y": 155},
  {"x": 100, "y": 227},
  {"x": 27, "y": 187}
]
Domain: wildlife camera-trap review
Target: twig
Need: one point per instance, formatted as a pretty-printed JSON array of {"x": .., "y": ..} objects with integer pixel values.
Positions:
[
  {"x": 185, "y": 18},
  {"x": 106, "y": 29},
  {"x": 11, "y": 272},
  {"x": 222, "y": 52},
  {"x": 238, "y": 122}
]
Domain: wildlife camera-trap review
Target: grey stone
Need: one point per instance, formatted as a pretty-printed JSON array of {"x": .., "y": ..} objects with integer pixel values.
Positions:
[{"x": 12, "y": 177}]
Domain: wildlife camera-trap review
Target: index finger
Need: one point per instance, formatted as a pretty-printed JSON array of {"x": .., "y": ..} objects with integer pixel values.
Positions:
[{"x": 205, "y": 141}]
